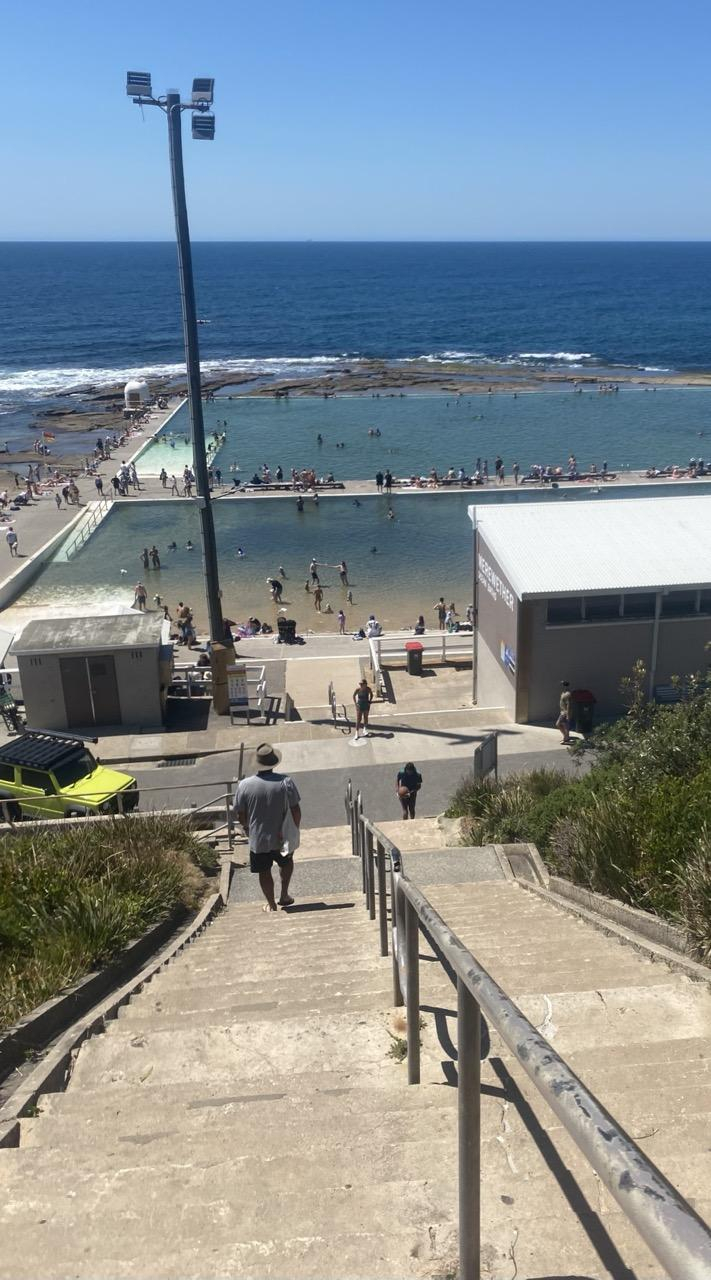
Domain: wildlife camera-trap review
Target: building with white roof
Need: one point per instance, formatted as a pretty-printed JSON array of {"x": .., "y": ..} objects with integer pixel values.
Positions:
[{"x": 580, "y": 591}]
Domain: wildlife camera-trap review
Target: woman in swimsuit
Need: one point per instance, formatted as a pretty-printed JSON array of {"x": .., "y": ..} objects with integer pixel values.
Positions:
[{"x": 362, "y": 696}]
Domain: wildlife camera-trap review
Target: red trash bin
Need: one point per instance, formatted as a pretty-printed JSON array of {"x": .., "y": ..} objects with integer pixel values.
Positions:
[{"x": 414, "y": 651}]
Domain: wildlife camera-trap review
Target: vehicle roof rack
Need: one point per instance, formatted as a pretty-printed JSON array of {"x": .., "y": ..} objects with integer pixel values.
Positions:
[{"x": 42, "y": 749}]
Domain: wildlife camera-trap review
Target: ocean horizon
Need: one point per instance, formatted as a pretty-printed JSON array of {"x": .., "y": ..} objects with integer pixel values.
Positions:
[{"x": 81, "y": 316}]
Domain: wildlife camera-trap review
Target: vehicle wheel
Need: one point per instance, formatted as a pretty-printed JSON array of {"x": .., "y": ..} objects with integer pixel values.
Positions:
[
  {"x": 14, "y": 812},
  {"x": 75, "y": 813}
]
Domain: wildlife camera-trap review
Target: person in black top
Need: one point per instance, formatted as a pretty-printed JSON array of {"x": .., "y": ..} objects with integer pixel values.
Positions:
[{"x": 407, "y": 786}]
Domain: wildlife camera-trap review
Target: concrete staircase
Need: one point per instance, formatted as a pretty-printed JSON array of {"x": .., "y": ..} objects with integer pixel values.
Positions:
[{"x": 245, "y": 1115}]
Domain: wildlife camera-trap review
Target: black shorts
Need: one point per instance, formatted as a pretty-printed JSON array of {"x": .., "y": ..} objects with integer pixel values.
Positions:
[{"x": 264, "y": 861}]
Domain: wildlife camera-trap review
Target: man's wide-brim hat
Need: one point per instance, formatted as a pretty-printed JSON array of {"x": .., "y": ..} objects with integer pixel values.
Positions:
[{"x": 266, "y": 755}]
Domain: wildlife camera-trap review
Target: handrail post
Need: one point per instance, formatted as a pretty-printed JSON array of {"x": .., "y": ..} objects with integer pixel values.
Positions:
[
  {"x": 230, "y": 818},
  {"x": 412, "y": 971},
  {"x": 395, "y": 926},
  {"x": 370, "y": 872},
  {"x": 469, "y": 1124},
  {"x": 382, "y": 898}
]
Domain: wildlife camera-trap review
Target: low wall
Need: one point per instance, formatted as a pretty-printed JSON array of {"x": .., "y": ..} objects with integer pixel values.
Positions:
[{"x": 17, "y": 582}]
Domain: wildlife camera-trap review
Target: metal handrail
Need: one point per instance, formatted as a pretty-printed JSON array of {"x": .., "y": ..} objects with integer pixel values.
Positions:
[
  {"x": 333, "y": 704},
  {"x": 94, "y": 517},
  {"x": 675, "y": 1234}
]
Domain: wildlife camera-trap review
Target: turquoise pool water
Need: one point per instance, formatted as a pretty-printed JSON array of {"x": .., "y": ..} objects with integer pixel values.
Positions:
[
  {"x": 630, "y": 429},
  {"x": 424, "y": 552}
]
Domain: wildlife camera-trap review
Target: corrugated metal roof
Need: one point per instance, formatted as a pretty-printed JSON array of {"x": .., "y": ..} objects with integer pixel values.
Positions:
[{"x": 611, "y": 545}]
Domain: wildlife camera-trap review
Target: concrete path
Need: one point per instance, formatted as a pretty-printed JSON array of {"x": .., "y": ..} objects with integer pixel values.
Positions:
[{"x": 245, "y": 1115}]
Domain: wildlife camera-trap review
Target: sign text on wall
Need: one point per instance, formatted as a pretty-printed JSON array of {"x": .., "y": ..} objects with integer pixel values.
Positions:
[{"x": 494, "y": 584}]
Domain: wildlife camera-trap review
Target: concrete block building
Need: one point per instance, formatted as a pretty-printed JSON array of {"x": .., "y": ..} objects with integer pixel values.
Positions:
[
  {"x": 580, "y": 591},
  {"x": 77, "y": 673}
]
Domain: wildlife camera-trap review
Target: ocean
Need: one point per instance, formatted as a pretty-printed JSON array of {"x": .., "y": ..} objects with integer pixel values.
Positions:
[{"x": 76, "y": 316}]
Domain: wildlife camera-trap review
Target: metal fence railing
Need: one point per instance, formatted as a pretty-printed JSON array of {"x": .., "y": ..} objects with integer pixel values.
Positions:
[
  {"x": 675, "y": 1234},
  {"x": 344, "y": 723},
  {"x": 438, "y": 646},
  {"x": 211, "y": 817}
]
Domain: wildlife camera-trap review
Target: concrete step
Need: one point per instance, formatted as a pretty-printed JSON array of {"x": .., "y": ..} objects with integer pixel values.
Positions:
[
  {"x": 245, "y": 1052},
  {"x": 255, "y": 1238},
  {"x": 281, "y": 1126},
  {"x": 156, "y": 999},
  {"x": 204, "y": 1006},
  {"x": 122, "y": 1166},
  {"x": 266, "y": 1010},
  {"x": 536, "y": 1248},
  {"x": 177, "y": 976},
  {"x": 311, "y": 1092},
  {"x": 271, "y": 1125},
  {"x": 359, "y": 1255},
  {"x": 325, "y": 842},
  {"x": 577, "y": 1019},
  {"x": 276, "y": 1123}
]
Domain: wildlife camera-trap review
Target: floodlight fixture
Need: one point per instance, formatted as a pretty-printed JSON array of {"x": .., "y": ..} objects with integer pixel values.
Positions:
[
  {"x": 138, "y": 84},
  {"x": 204, "y": 127},
  {"x": 203, "y": 91}
]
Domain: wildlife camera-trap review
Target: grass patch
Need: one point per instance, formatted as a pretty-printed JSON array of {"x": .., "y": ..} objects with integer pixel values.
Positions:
[
  {"x": 72, "y": 899},
  {"x": 636, "y": 827}
]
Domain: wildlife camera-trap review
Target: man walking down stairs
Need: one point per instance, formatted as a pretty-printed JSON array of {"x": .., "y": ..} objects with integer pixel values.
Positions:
[{"x": 248, "y": 1114}]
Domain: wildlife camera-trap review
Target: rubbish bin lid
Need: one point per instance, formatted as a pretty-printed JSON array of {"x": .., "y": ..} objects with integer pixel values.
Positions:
[
  {"x": 583, "y": 695},
  {"x": 414, "y": 645}
]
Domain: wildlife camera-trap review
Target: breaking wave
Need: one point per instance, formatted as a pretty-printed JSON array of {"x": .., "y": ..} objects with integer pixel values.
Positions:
[{"x": 37, "y": 383}]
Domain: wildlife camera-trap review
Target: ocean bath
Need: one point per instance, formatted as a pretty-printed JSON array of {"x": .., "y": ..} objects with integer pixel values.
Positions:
[
  {"x": 630, "y": 429},
  {"x": 397, "y": 568}
]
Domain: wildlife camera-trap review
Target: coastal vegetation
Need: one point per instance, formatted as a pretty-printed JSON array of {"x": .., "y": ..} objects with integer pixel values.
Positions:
[
  {"x": 72, "y": 899},
  {"x": 636, "y": 826}
]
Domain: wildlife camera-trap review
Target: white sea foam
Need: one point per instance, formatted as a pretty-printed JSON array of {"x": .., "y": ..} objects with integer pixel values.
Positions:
[
  {"x": 37, "y": 383},
  {"x": 566, "y": 356},
  {"x": 443, "y": 357}
]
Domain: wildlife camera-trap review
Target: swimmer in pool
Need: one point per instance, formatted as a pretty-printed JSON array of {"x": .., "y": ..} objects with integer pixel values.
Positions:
[
  {"x": 240, "y": 552},
  {"x": 188, "y": 545}
]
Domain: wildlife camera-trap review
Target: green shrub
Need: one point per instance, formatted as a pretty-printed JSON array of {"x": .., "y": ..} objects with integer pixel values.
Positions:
[
  {"x": 71, "y": 899},
  {"x": 693, "y": 885},
  {"x": 634, "y": 826}
]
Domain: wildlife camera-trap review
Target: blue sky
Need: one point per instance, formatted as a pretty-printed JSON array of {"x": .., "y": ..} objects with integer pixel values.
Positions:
[{"x": 371, "y": 120}]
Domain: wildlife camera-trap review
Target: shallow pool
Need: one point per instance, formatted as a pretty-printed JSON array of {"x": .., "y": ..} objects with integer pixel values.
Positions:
[{"x": 397, "y": 568}]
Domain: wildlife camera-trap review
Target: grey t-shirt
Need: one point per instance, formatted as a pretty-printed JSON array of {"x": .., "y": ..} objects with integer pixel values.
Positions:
[{"x": 265, "y": 797}]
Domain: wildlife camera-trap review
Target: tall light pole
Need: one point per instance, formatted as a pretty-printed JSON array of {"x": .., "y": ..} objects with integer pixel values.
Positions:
[{"x": 138, "y": 87}]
